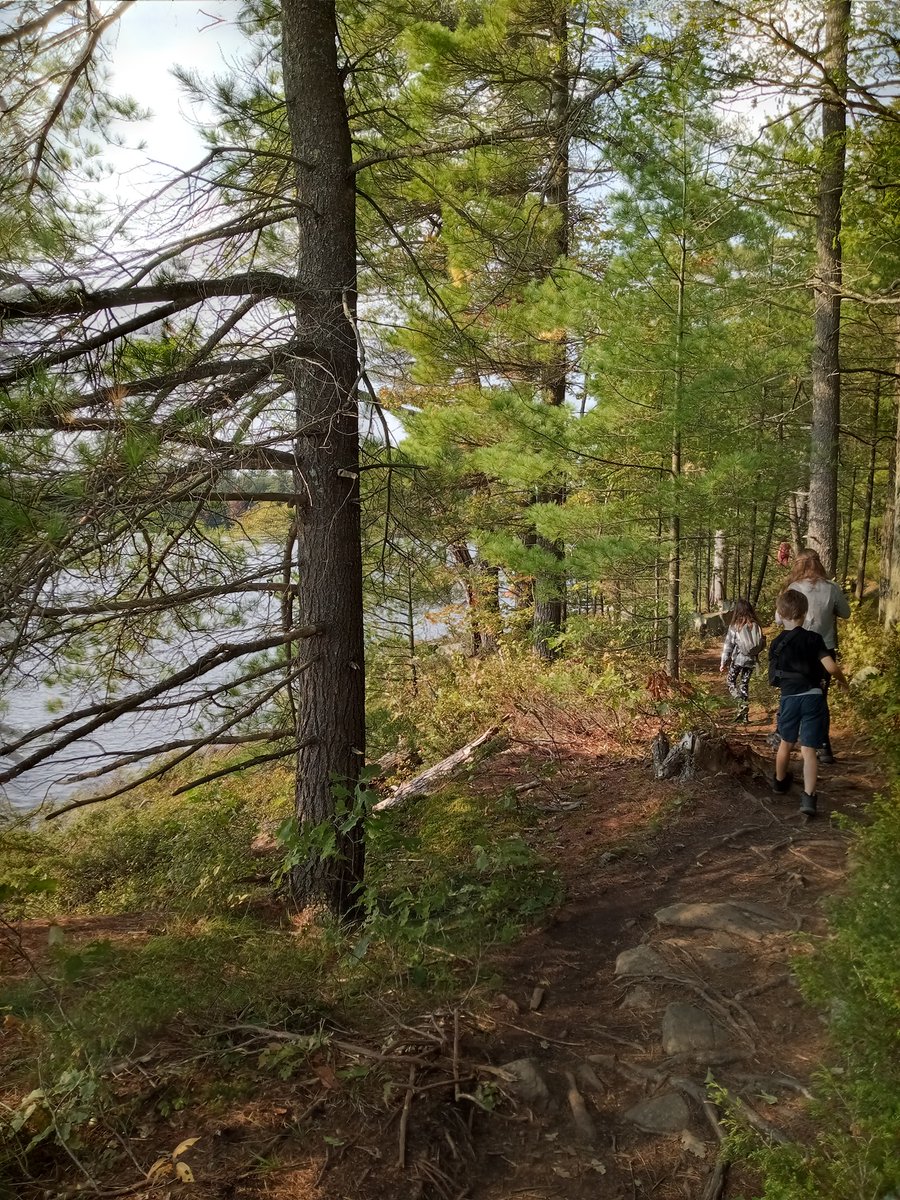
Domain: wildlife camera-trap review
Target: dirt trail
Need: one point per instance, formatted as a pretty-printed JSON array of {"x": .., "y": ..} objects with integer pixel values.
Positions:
[{"x": 690, "y": 1000}]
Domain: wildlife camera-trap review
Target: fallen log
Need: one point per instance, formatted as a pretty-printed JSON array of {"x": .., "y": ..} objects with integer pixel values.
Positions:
[
  {"x": 430, "y": 780},
  {"x": 395, "y": 761}
]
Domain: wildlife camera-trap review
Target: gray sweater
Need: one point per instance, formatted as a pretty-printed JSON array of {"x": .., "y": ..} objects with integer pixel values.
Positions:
[{"x": 826, "y": 601}]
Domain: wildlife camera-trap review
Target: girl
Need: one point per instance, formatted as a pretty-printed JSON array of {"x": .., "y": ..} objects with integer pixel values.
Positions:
[
  {"x": 825, "y": 602},
  {"x": 743, "y": 643}
]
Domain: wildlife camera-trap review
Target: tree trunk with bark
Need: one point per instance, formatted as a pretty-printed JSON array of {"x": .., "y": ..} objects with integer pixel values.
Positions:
[
  {"x": 717, "y": 578},
  {"x": 550, "y": 591},
  {"x": 848, "y": 527},
  {"x": 673, "y": 606},
  {"x": 870, "y": 492},
  {"x": 331, "y": 704},
  {"x": 482, "y": 587},
  {"x": 826, "y": 378},
  {"x": 889, "y": 603},
  {"x": 796, "y": 516},
  {"x": 765, "y": 549},
  {"x": 887, "y": 523}
]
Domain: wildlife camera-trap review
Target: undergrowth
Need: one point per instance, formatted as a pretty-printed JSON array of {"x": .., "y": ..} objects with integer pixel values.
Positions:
[
  {"x": 453, "y": 698},
  {"x": 214, "y": 947},
  {"x": 855, "y": 979},
  {"x": 152, "y": 850},
  {"x": 446, "y": 880}
]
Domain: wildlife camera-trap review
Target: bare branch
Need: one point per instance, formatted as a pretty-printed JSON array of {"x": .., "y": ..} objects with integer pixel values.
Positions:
[
  {"x": 110, "y": 710},
  {"x": 264, "y": 284},
  {"x": 37, "y": 24}
]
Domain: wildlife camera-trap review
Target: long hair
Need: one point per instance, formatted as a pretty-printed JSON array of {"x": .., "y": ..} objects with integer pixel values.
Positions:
[
  {"x": 807, "y": 567},
  {"x": 743, "y": 613}
]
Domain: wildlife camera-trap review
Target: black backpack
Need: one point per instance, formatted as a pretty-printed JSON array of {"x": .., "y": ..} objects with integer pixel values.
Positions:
[{"x": 789, "y": 664}]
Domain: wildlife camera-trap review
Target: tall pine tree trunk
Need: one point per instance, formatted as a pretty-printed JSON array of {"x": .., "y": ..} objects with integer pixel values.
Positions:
[
  {"x": 331, "y": 708},
  {"x": 887, "y": 521},
  {"x": 796, "y": 509},
  {"x": 848, "y": 531},
  {"x": 482, "y": 587},
  {"x": 764, "y": 552},
  {"x": 826, "y": 379},
  {"x": 673, "y": 607},
  {"x": 463, "y": 557},
  {"x": 870, "y": 492},
  {"x": 754, "y": 515},
  {"x": 549, "y": 592},
  {"x": 889, "y": 600},
  {"x": 489, "y": 605}
]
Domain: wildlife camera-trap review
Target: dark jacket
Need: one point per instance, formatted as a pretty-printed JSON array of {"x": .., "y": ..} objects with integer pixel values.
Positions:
[{"x": 795, "y": 661}]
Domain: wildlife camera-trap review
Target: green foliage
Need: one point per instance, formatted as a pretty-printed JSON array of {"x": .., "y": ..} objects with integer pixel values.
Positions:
[
  {"x": 28, "y": 869},
  {"x": 152, "y": 850},
  {"x": 166, "y": 855},
  {"x": 94, "y": 1002},
  {"x": 458, "y": 872},
  {"x": 855, "y": 978},
  {"x": 321, "y": 842}
]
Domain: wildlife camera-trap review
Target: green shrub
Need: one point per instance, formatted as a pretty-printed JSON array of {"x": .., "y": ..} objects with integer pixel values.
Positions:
[
  {"x": 855, "y": 978},
  {"x": 152, "y": 850},
  {"x": 164, "y": 855},
  {"x": 455, "y": 871}
]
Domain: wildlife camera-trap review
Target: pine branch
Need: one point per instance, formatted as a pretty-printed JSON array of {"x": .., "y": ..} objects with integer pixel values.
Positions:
[
  {"x": 69, "y": 86},
  {"x": 184, "y": 292}
]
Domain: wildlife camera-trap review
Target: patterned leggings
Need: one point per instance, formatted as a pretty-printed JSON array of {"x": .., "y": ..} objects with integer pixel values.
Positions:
[{"x": 739, "y": 681}]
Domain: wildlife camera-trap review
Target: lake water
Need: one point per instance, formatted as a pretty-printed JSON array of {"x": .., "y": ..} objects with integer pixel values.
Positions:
[{"x": 33, "y": 703}]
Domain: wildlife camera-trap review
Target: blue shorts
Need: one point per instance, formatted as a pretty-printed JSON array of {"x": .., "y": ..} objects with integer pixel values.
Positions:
[{"x": 803, "y": 719}]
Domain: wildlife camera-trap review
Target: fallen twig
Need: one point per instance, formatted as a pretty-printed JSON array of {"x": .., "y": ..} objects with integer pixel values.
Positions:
[
  {"x": 580, "y": 1115},
  {"x": 540, "y": 1035},
  {"x": 613, "y": 1037},
  {"x": 773, "y": 1081},
  {"x": 812, "y": 862},
  {"x": 456, "y": 1054},
  {"x": 404, "y": 1118},
  {"x": 758, "y": 988},
  {"x": 728, "y": 837},
  {"x": 285, "y": 1035}
]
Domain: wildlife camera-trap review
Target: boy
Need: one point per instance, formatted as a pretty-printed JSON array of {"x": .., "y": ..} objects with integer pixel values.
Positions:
[{"x": 797, "y": 659}]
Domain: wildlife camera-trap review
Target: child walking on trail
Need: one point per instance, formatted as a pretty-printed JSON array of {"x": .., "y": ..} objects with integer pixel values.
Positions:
[
  {"x": 798, "y": 659},
  {"x": 825, "y": 602},
  {"x": 744, "y": 642}
]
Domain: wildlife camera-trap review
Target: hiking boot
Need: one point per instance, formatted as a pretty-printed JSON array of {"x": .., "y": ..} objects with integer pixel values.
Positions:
[
  {"x": 808, "y": 805},
  {"x": 773, "y": 739},
  {"x": 825, "y": 756},
  {"x": 782, "y": 785},
  {"x": 742, "y": 716}
]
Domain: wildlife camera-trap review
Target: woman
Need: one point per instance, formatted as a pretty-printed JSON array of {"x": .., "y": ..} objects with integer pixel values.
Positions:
[{"x": 826, "y": 601}]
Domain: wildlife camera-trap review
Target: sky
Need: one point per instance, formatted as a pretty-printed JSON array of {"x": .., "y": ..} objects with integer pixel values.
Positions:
[{"x": 153, "y": 36}]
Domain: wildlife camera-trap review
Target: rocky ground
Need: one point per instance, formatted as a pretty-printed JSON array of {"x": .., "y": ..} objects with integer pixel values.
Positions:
[{"x": 670, "y": 970}]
